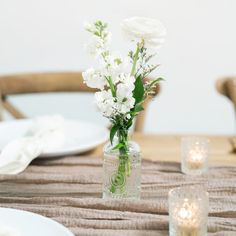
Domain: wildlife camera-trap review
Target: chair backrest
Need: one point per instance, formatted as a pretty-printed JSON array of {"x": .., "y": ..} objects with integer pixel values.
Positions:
[
  {"x": 227, "y": 87},
  {"x": 49, "y": 82}
]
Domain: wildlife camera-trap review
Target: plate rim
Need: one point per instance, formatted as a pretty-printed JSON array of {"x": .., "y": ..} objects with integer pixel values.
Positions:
[
  {"x": 70, "y": 151},
  {"x": 66, "y": 230}
]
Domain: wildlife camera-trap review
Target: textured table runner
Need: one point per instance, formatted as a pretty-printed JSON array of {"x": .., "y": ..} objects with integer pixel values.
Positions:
[{"x": 69, "y": 191}]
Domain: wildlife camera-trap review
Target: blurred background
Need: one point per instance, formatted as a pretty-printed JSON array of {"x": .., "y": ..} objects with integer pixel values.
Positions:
[{"x": 48, "y": 35}]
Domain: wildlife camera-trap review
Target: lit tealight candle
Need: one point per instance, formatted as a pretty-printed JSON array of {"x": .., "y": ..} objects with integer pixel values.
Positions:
[
  {"x": 184, "y": 214},
  {"x": 194, "y": 155},
  {"x": 195, "y": 160},
  {"x": 187, "y": 219},
  {"x": 188, "y": 211}
]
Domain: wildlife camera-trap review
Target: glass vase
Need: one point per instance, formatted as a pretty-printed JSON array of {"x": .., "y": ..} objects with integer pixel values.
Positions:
[{"x": 122, "y": 172}]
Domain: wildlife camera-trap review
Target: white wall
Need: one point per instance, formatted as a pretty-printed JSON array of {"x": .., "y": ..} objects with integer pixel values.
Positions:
[{"x": 47, "y": 35}]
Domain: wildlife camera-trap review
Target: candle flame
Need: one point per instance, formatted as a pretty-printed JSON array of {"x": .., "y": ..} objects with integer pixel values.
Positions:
[
  {"x": 184, "y": 213},
  {"x": 196, "y": 156}
]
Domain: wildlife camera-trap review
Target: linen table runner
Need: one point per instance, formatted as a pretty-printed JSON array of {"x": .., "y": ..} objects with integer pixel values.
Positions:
[{"x": 69, "y": 191}]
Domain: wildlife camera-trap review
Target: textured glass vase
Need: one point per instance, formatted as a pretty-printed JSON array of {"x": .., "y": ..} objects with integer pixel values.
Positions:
[{"x": 122, "y": 174}]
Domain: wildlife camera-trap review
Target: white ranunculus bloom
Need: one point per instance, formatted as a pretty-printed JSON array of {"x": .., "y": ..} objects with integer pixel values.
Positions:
[
  {"x": 152, "y": 31},
  {"x": 94, "y": 79}
]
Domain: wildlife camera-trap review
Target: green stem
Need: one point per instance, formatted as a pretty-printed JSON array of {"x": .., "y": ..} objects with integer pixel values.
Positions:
[
  {"x": 135, "y": 61},
  {"x": 113, "y": 90},
  {"x": 123, "y": 170}
]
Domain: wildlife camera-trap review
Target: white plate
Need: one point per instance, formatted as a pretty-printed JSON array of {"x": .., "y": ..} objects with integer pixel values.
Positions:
[
  {"x": 80, "y": 136},
  {"x": 30, "y": 224}
]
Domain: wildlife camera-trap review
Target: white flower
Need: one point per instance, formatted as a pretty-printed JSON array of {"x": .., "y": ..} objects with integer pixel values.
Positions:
[
  {"x": 123, "y": 91},
  {"x": 94, "y": 79},
  {"x": 113, "y": 66},
  {"x": 117, "y": 66},
  {"x": 125, "y": 100},
  {"x": 121, "y": 104},
  {"x": 128, "y": 80},
  {"x": 152, "y": 31},
  {"x": 124, "y": 107},
  {"x": 105, "y": 102},
  {"x": 95, "y": 46}
]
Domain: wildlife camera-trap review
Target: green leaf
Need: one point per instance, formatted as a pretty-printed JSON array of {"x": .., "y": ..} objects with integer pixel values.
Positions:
[
  {"x": 159, "y": 79},
  {"x": 138, "y": 107},
  {"x": 129, "y": 123},
  {"x": 113, "y": 131},
  {"x": 118, "y": 146},
  {"x": 138, "y": 92}
]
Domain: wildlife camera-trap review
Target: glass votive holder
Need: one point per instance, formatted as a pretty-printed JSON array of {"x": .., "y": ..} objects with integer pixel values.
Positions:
[
  {"x": 194, "y": 155},
  {"x": 188, "y": 211}
]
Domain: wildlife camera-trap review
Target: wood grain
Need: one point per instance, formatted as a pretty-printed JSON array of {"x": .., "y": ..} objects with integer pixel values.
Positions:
[
  {"x": 43, "y": 83},
  {"x": 227, "y": 87},
  {"x": 167, "y": 148}
]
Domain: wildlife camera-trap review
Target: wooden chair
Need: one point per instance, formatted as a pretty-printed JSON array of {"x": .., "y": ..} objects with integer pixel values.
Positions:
[
  {"x": 45, "y": 83},
  {"x": 227, "y": 87}
]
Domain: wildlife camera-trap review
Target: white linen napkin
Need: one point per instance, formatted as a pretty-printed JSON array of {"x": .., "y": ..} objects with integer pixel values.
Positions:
[
  {"x": 6, "y": 231},
  {"x": 46, "y": 134}
]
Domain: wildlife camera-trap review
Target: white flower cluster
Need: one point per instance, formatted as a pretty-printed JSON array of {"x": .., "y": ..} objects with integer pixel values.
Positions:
[
  {"x": 116, "y": 95},
  {"x": 111, "y": 103},
  {"x": 123, "y": 100},
  {"x": 97, "y": 43},
  {"x": 116, "y": 86},
  {"x": 94, "y": 78}
]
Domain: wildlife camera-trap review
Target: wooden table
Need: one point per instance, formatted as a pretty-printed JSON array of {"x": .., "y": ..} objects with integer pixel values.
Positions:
[
  {"x": 69, "y": 189},
  {"x": 167, "y": 148}
]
